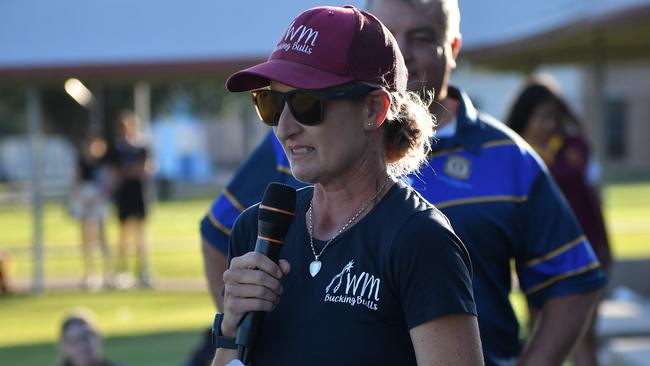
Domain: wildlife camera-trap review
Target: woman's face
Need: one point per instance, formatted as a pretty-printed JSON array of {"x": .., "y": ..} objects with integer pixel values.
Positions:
[
  {"x": 81, "y": 345},
  {"x": 543, "y": 123},
  {"x": 329, "y": 151}
]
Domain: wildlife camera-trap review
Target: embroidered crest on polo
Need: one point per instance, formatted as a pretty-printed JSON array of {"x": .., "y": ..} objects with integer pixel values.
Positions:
[{"x": 458, "y": 167}]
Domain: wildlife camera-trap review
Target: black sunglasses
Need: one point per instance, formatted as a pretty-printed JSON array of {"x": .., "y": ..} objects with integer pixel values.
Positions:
[{"x": 307, "y": 106}]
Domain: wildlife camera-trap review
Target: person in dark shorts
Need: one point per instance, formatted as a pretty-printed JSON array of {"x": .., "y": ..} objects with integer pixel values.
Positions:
[{"x": 130, "y": 170}]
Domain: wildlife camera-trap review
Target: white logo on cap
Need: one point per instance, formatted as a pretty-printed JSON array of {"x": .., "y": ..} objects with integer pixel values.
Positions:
[{"x": 302, "y": 44}]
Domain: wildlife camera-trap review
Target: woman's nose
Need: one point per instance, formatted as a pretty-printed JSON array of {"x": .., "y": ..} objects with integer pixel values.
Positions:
[{"x": 287, "y": 124}]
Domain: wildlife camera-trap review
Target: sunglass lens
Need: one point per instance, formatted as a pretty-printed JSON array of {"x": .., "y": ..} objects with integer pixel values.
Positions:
[
  {"x": 269, "y": 106},
  {"x": 306, "y": 107}
]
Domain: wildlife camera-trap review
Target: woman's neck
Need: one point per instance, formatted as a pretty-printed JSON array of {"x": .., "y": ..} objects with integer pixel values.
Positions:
[{"x": 334, "y": 205}]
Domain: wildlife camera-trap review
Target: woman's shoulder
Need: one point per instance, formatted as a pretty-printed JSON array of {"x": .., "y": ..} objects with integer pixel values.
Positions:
[
  {"x": 419, "y": 222},
  {"x": 408, "y": 210},
  {"x": 410, "y": 200}
]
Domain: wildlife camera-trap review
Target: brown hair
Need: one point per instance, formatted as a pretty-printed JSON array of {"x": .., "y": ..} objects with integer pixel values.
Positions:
[{"x": 408, "y": 131}]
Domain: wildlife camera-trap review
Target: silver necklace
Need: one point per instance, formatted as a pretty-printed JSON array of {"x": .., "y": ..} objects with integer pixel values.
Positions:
[{"x": 316, "y": 264}]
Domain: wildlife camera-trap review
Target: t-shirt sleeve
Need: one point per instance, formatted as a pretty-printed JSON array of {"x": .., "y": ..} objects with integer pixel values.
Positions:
[
  {"x": 431, "y": 270},
  {"x": 267, "y": 164},
  {"x": 556, "y": 258}
]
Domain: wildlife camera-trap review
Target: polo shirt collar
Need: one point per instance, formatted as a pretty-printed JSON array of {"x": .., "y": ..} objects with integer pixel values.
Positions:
[{"x": 468, "y": 127}]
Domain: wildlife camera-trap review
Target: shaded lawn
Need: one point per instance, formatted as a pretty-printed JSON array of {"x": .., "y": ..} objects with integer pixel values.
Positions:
[
  {"x": 142, "y": 327},
  {"x": 162, "y": 348}
]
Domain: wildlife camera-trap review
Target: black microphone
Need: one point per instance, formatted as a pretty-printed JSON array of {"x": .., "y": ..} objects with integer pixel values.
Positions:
[{"x": 276, "y": 213}]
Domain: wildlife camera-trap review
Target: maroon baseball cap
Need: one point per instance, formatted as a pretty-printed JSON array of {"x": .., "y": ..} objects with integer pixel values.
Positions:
[{"x": 329, "y": 46}]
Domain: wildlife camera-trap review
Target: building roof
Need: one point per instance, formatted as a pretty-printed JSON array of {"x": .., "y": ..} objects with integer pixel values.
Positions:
[
  {"x": 612, "y": 34},
  {"x": 163, "y": 38}
]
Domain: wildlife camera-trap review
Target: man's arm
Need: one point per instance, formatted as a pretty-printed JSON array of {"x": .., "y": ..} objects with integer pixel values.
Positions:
[
  {"x": 559, "y": 326},
  {"x": 215, "y": 264}
]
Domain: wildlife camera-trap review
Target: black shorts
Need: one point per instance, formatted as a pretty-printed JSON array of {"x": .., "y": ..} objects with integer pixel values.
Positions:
[{"x": 130, "y": 201}]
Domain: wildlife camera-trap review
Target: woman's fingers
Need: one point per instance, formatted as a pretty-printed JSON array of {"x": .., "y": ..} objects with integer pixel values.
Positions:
[
  {"x": 253, "y": 291},
  {"x": 243, "y": 305},
  {"x": 254, "y": 260},
  {"x": 284, "y": 266},
  {"x": 251, "y": 283}
]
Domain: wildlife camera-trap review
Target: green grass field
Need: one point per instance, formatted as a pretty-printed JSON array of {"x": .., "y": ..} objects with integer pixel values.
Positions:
[
  {"x": 172, "y": 231},
  {"x": 141, "y": 327},
  {"x": 160, "y": 327}
]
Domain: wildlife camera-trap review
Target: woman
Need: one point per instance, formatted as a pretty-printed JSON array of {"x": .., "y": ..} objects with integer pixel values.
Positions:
[
  {"x": 80, "y": 343},
  {"x": 371, "y": 273},
  {"x": 543, "y": 119}
]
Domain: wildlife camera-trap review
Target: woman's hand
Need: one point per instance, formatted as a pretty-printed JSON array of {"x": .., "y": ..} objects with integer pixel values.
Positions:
[{"x": 252, "y": 283}]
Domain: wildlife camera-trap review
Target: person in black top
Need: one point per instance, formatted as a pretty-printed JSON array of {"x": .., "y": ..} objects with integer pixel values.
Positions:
[
  {"x": 130, "y": 168},
  {"x": 370, "y": 272}
]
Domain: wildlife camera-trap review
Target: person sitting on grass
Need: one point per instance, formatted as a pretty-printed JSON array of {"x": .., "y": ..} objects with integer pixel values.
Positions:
[{"x": 80, "y": 343}]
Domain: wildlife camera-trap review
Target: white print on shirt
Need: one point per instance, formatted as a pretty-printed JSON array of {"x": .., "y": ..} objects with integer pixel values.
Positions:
[
  {"x": 360, "y": 289},
  {"x": 302, "y": 44}
]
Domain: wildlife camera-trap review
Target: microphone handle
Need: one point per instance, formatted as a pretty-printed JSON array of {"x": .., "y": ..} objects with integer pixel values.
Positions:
[
  {"x": 247, "y": 334},
  {"x": 251, "y": 323}
]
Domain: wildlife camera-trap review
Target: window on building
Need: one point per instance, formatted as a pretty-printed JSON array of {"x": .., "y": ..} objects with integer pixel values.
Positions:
[{"x": 615, "y": 128}]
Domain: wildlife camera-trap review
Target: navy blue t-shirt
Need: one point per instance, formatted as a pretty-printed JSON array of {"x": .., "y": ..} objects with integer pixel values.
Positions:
[
  {"x": 501, "y": 201},
  {"x": 400, "y": 266}
]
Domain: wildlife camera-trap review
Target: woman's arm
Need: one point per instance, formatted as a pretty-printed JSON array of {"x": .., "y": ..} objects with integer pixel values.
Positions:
[{"x": 448, "y": 340}]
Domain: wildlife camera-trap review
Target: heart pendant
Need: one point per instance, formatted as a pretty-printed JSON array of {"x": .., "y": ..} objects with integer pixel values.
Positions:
[{"x": 314, "y": 268}]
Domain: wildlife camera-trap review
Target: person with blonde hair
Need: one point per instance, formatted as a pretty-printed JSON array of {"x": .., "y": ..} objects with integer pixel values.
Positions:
[
  {"x": 369, "y": 268},
  {"x": 498, "y": 195}
]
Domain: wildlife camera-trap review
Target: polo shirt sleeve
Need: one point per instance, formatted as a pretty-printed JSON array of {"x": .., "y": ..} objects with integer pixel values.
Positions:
[
  {"x": 267, "y": 164},
  {"x": 244, "y": 234},
  {"x": 430, "y": 270},
  {"x": 555, "y": 258}
]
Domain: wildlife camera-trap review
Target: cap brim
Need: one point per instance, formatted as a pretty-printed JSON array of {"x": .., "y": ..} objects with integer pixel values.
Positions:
[{"x": 286, "y": 72}]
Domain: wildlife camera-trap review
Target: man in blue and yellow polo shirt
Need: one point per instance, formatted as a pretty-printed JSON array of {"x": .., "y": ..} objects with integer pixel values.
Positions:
[{"x": 492, "y": 186}]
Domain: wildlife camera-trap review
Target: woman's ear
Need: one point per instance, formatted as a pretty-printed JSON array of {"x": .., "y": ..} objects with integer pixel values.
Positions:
[{"x": 377, "y": 108}]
